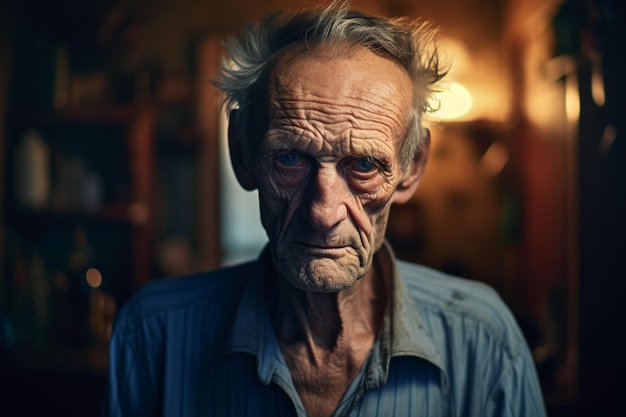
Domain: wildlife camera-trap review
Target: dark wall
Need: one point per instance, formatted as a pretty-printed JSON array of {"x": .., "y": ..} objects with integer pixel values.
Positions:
[{"x": 603, "y": 226}]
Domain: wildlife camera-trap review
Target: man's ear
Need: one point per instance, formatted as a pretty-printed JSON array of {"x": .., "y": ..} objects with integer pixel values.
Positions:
[
  {"x": 406, "y": 188},
  {"x": 238, "y": 159}
]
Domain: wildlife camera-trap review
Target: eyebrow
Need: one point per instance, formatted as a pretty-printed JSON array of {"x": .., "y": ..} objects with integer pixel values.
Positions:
[{"x": 287, "y": 140}]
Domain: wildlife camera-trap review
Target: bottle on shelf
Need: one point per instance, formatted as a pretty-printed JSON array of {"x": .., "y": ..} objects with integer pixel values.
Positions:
[{"x": 32, "y": 171}]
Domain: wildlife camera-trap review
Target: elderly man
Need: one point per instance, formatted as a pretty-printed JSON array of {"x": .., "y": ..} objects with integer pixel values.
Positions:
[{"x": 326, "y": 122}]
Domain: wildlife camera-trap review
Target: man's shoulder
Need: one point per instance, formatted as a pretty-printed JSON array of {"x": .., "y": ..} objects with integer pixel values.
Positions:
[
  {"x": 435, "y": 285},
  {"x": 454, "y": 299},
  {"x": 212, "y": 289}
]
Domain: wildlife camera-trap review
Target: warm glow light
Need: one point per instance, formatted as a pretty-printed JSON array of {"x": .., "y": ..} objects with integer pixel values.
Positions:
[
  {"x": 93, "y": 277},
  {"x": 453, "y": 103},
  {"x": 572, "y": 98},
  {"x": 597, "y": 86}
]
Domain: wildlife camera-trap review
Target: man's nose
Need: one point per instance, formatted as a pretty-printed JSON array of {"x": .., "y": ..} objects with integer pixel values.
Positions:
[{"x": 325, "y": 204}]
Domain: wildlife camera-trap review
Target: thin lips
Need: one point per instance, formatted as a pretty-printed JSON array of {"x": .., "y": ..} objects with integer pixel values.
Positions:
[{"x": 323, "y": 246}]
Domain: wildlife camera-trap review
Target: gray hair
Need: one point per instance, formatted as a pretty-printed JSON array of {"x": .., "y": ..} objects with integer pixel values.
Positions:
[{"x": 251, "y": 56}]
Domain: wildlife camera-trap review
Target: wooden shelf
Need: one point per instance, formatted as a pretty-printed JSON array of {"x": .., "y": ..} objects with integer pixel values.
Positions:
[{"x": 113, "y": 146}]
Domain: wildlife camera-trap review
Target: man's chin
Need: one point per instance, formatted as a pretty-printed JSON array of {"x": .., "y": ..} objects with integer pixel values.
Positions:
[{"x": 322, "y": 275}]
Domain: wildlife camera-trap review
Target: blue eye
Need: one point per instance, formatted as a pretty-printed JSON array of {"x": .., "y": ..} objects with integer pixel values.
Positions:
[
  {"x": 364, "y": 165},
  {"x": 290, "y": 159}
]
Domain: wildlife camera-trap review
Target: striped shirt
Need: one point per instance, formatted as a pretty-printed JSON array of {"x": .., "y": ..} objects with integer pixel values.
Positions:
[{"x": 204, "y": 345}]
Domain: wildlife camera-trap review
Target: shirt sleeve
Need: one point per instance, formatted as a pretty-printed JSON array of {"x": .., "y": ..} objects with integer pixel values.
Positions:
[
  {"x": 131, "y": 386},
  {"x": 517, "y": 392}
]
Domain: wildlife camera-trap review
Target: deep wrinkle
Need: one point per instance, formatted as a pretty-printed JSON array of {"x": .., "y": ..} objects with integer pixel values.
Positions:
[{"x": 324, "y": 198}]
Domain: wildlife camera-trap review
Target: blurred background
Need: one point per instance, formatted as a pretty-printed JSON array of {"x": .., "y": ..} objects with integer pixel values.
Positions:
[{"x": 113, "y": 173}]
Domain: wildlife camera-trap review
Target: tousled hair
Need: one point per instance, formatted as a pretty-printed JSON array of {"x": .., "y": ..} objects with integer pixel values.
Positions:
[{"x": 250, "y": 58}]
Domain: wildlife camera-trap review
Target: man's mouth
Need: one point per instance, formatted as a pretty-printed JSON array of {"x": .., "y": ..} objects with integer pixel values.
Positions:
[{"x": 324, "y": 250}]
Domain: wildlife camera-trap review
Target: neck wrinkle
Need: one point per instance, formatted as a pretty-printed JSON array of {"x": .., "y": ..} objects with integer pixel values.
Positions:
[{"x": 325, "y": 320}]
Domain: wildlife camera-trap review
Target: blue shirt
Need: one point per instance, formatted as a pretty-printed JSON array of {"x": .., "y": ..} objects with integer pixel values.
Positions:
[{"x": 204, "y": 346}]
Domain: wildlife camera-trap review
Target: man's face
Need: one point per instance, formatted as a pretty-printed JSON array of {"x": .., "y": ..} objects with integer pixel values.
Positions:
[{"x": 329, "y": 164}]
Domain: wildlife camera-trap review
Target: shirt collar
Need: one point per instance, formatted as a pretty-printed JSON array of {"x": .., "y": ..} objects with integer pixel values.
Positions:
[
  {"x": 408, "y": 331},
  {"x": 403, "y": 333},
  {"x": 252, "y": 330}
]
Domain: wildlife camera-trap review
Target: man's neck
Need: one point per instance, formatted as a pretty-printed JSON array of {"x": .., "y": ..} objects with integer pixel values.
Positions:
[
  {"x": 328, "y": 318},
  {"x": 326, "y": 337}
]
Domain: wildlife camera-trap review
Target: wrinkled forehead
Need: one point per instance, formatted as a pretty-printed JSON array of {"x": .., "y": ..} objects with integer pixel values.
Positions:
[{"x": 344, "y": 73}]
